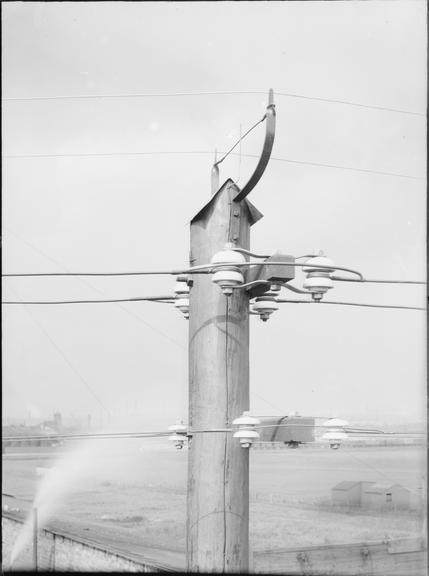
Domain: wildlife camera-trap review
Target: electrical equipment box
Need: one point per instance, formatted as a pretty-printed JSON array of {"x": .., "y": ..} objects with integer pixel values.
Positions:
[
  {"x": 289, "y": 429},
  {"x": 276, "y": 274}
]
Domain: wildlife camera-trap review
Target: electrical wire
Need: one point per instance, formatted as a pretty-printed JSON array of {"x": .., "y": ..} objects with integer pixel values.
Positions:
[
  {"x": 186, "y": 152},
  {"x": 239, "y": 160},
  {"x": 371, "y": 467},
  {"x": 225, "y": 452},
  {"x": 214, "y": 93},
  {"x": 204, "y": 268},
  {"x": 239, "y": 141},
  {"x": 252, "y": 254},
  {"x": 102, "y": 436},
  {"x": 68, "y": 362},
  {"x": 159, "y": 299},
  {"x": 338, "y": 167},
  {"x": 295, "y": 289},
  {"x": 253, "y": 283},
  {"x": 127, "y": 310},
  {"x": 349, "y": 304},
  {"x": 191, "y": 432},
  {"x": 340, "y": 279},
  {"x": 145, "y": 273},
  {"x": 85, "y": 282}
]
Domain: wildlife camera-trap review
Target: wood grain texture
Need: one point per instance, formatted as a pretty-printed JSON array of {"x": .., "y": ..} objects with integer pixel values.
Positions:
[{"x": 218, "y": 468}]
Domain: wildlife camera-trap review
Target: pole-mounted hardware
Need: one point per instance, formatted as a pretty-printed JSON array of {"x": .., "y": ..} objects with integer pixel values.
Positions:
[
  {"x": 215, "y": 175},
  {"x": 265, "y": 305},
  {"x": 181, "y": 292},
  {"x": 318, "y": 280},
  {"x": 270, "y": 117},
  {"x": 270, "y": 129},
  {"x": 335, "y": 432},
  {"x": 179, "y": 435},
  {"x": 274, "y": 274},
  {"x": 229, "y": 275},
  {"x": 246, "y": 429}
]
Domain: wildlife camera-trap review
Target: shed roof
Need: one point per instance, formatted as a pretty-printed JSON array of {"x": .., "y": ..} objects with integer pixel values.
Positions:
[
  {"x": 378, "y": 488},
  {"x": 346, "y": 485}
]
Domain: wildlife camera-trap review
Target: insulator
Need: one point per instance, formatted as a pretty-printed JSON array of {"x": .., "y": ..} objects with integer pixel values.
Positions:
[
  {"x": 227, "y": 279},
  {"x": 182, "y": 304},
  {"x": 246, "y": 420},
  {"x": 228, "y": 256},
  {"x": 311, "y": 265}
]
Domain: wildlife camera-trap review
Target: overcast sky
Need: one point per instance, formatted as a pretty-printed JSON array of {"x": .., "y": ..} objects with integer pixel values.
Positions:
[{"x": 125, "y": 212}]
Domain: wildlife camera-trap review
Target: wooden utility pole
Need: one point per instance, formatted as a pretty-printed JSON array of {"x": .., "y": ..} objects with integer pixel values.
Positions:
[{"x": 218, "y": 468}]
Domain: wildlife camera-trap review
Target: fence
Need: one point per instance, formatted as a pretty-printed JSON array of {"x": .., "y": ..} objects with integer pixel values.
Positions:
[{"x": 385, "y": 558}]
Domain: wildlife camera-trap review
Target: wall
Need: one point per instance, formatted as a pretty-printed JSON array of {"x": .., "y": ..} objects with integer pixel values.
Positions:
[{"x": 60, "y": 553}]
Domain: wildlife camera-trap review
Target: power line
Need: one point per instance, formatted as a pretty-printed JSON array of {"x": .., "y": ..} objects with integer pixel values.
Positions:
[
  {"x": 214, "y": 93},
  {"x": 201, "y": 269},
  {"x": 171, "y": 300},
  {"x": 349, "y": 103},
  {"x": 119, "y": 305},
  {"x": 144, "y": 273},
  {"x": 371, "y": 467},
  {"x": 207, "y": 268},
  {"x": 337, "y": 166},
  {"x": 338, "y": 278},
  {"x": 127, "y": 310},
  {"x": 68, "y": 362},
  {"x": 349, "y": 304},
  {"x": 190, "y": 152},
  {"x": 190, "y": 432},
  {"x": 239, "y": 141},
  {"x": 160, "y": 299}
]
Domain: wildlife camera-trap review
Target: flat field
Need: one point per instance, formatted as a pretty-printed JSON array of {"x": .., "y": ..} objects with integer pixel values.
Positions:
[{"x": 128, "y": 495}]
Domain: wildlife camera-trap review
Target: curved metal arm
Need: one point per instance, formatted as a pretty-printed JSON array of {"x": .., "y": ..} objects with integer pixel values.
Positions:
[{"x": 266, "y": 150}]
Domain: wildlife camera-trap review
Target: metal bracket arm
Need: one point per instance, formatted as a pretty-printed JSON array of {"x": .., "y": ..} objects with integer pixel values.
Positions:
[{"x": 266, "y": 150}]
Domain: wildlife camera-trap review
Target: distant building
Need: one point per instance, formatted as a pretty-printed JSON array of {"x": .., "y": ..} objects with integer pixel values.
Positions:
[
  {"x": 349, "y": 493},
  {"x": 370, "y": 495},
  {"x": 386, "y": 496},
  {"x": 54, "y": 425},
  {"x": 21, "y": 436}
]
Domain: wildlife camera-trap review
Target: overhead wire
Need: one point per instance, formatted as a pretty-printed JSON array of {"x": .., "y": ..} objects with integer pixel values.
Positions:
[
  {"x": 190, "y": 432},
  {"x": 210, "y": 152},
  {"x": 204, "y": 268},
  {"x": 283, "y": 301},
  {"x": 208, "y": 267},
  {"x": 340, "y": 279},
  {"x": 68, "y": 362},
  {"x": 161, "y": 300},
  {"x": 209, "y": 93},
  {"x": 375, "y": 468},
  {"x": 137, "y": 317},
  {"x": 240, "y": 140},
  {"x": 82, "y": 280}
]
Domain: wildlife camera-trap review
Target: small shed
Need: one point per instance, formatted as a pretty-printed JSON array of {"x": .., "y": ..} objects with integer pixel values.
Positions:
[
  {"x": 386, "y": 496},
  {"x": 349, "y": 493}
]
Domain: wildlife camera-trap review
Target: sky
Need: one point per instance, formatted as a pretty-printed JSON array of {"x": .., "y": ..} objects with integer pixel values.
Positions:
[{"x": 125, "y": 212}]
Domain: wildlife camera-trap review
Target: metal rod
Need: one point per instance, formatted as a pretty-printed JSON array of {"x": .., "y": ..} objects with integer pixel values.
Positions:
[{"x": 35, "y": 529}]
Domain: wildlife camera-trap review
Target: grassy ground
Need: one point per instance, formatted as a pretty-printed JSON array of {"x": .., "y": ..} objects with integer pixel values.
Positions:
[{"x": 139, "y": 498}]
